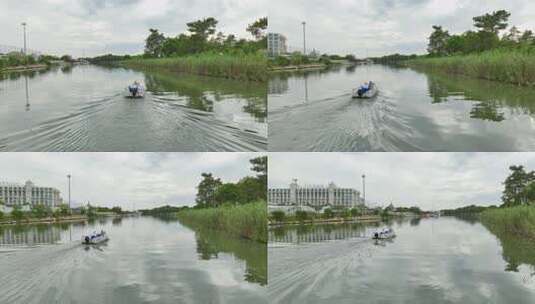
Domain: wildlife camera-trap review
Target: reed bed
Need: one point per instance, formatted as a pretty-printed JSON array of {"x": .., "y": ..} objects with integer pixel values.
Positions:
[
  {"x": 250, "y": 67},
  {"x": 247, "y": 221},
  {"x": 516, "y": 66},
  {"x": 518, "y": 221}
]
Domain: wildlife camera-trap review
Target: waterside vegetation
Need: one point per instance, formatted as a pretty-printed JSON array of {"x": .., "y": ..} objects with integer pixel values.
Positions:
[
  {"x": 203, "y": 50},
  {"x": 485, "y": 53}
]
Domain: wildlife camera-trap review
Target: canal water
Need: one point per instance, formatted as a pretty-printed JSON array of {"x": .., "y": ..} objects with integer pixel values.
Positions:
[
  {"x": 445, "y": 260},
  {"x": 83, "y": 108},
  {"x": 414, "y": 111},
  {"x": 146, "y": 260}
]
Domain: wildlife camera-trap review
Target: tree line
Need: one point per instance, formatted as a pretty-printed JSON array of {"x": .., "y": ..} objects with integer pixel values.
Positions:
[
  {"x": 202, "y": 36},
  {"x": 212, "y": 192},
  {"x": 486, "y": 36}
]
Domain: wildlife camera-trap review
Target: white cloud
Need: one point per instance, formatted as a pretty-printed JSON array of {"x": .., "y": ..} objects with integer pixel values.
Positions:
[
  {"x": 383, "y": 27},
  {"x": 109, "y": 179},
  {"x": 93, "y": 27},
  {"x": 429, "y": 180}
]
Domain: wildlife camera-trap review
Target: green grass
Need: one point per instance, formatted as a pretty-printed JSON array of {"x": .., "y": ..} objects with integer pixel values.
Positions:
[
  {"x": 247, "y": 221},
  {"x": 519, "y": 221},
  {"x": 516, "y": 66},
  {"x": 250, "y": 67}
]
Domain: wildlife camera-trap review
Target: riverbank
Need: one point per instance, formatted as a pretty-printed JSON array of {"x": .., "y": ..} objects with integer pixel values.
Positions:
[
  {"x": 516, "y": 221},
  {"x": 246, "y": 221},
  {"x": 334, "y": 220},
  {"x": 24, "y": 68},
  {"x": 515, "y": 66},
  {"x": 46, "y": 220},
  {"x": 249, "y": 67},
  {"x": 302, "y": 67}
]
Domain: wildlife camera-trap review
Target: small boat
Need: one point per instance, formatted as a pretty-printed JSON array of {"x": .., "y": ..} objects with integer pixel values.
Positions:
[
  {"x": 95, "y": 238},
  {"x": 370, "y": 93},
  {"x": 135, "y": 90},
  {"x": 387, "y": 233}
]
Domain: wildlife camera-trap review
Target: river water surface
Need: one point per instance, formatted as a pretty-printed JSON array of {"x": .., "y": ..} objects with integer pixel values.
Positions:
[
  {"x": 444, "y": 260},
  {"x": 414, "y": 111},
  {"x": 83, "y": 108},
  {"x": 146, "y": 260}
]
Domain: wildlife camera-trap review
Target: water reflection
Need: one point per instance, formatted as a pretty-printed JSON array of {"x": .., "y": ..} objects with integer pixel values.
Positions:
[
  {"x": 145, "y": 260},
  {"x": 316, "y": 233},
  {"x": 414, "y": 111},
  {"x": 82, "y": 108},
  {"x": 210, "y": 244},
  {"x": 444, "y": 260},
  {"x": 22, "y": 235}
]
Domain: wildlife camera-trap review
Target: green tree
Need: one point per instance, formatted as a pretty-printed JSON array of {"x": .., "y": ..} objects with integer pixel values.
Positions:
[
  {"x": 117, "y": 210},
  {"x": 301, "y": 215},
  {"x": 355, "y": 212},
  {"x": 492, "y": 23},
  {"x": 252, "y": 189},
  {"x": 206, "y": 190},
  {"x": 278, "y": 215},
  {"x": 38, "y": 211},
  {"x": 1, "y": 215},
  {"x": 17, "y": 213},
  {"x": 514, "y": 192},
  {"x": 227, "y": 193},
  {"x": 154, "y": 43},
  {"x": 438, "y": 41},
  {"x": 328, "y": 213},
  {"x": 258, "y": 27},
  {"x": 527, "y": 37},
  {"x": 202, "y": 29}
]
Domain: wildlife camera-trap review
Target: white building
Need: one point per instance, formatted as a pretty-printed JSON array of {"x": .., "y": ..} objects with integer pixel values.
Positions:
[
  {"x": 12, "y": 194},
  {"x": 317, "y": 197},
  {"x": 276, "y": 44}
]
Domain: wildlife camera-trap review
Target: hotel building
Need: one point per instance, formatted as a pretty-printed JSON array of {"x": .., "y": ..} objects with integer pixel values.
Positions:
[
  {"x": 276, "y": 44},
  {"x": 316, "y": 197},
  {"x": 12, "y": 194}
]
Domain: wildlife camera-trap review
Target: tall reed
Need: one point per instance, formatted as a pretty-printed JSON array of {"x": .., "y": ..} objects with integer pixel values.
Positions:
[
  {"x": 251, "y": 67},
  {"x": 516, "y": 66},
  {"x": 518, "y": 221},
  {"x": 247, "y": 220}
]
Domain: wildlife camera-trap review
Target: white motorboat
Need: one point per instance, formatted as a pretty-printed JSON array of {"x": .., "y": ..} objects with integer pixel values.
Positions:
[
  {"x": 135, "y": 90},
  {"x": 95, "y": 238},
  {"x": 387, "y": 233},
  {"x": 366, "y": 94}
]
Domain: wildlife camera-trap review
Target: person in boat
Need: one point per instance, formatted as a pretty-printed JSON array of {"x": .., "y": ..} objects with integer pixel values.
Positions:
[
  {"x": 363, "y": 88},
  {"x": 134, "y": 88}
]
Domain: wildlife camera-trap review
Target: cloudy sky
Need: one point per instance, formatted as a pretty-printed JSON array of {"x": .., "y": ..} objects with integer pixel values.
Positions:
[
  {"x": 428, "y": 180},
  {"x": 110, "y": 179},
  {"x": 120, "y": 26},
  {"x": 383, "y": 26}
]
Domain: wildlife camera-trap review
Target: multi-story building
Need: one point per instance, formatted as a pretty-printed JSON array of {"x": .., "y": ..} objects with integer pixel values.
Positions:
[
  {"x": 12, "y": 194},
  {"x": 316, "y": 197},
  {"x": 276, "y": 44}
]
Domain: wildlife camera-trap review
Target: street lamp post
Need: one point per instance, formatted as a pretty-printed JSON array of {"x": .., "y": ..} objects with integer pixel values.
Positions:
[
  {"x": 24, "y": 27},
  {"x": 69, "y": 177},
  {"x": 364, "y": 188},
  {"x": 304, "y": 39}
]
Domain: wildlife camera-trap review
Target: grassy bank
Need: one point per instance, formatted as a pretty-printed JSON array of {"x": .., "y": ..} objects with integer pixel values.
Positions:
[
  {"x": 247, "y": 221},
  {"x": 516, "y": 221},
  {"x": 516, "y": 66},
  {"x": 250, "y": 67}
]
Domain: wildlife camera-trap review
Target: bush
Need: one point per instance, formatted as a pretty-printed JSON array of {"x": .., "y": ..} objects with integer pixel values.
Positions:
[
  {"x": 328, "y": 213},
  {"x": 301, "y": 216},
  {"x": 278, "y": 215}
]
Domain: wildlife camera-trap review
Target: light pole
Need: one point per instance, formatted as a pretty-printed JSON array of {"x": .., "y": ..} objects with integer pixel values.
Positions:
[
  {"x": 24, "y": 27},
  {"x": 364, "y": 188},
  {"x": 304, "y": 39},
  {"x": 69, "y": 177}
]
